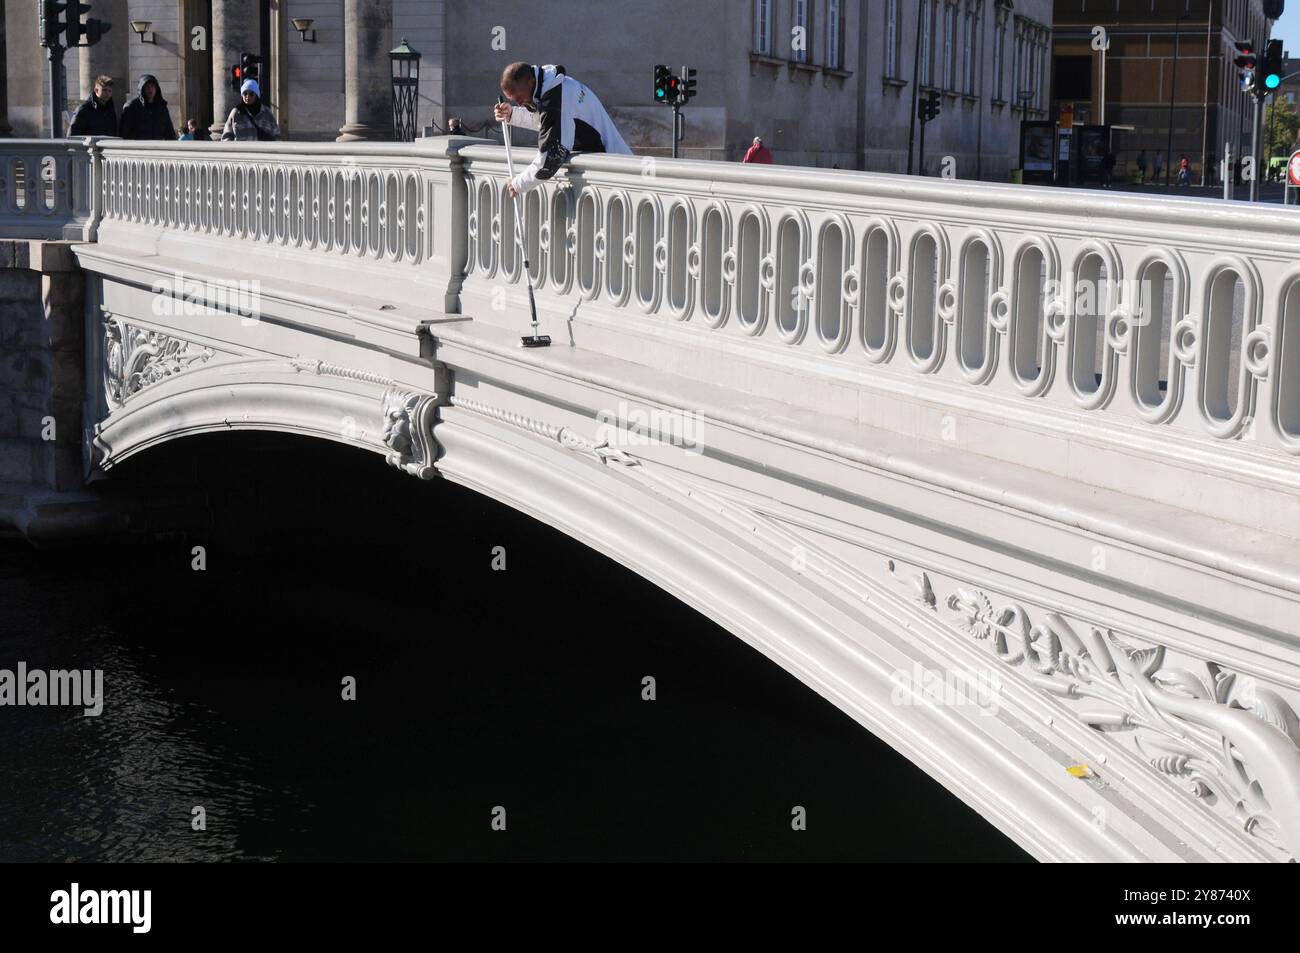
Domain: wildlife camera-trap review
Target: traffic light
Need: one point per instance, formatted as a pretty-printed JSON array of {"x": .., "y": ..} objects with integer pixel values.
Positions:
[
  {"x": 51, "y": 28},
  {"x": 1272, "y": 65},
  {"x": 927, "y": 107},
  {"x": 75, "y": 30},
  {"x": 1245, "y": 62},
  {"x": 662, "y": 75},
  {"x": 247, "y": 69},
  {"x": 688, "y": 86},
  {"x": 61, "y": 24}
]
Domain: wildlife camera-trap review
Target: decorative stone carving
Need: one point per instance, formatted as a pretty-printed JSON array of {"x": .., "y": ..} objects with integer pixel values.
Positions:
[
  {"x": 919, "y": 583},
  {"x": 564, "y": 436},
  {"x": 136, "y": 357},
  {"x": 1231, "y": 742},
  {"x": 408, "y": 431}
]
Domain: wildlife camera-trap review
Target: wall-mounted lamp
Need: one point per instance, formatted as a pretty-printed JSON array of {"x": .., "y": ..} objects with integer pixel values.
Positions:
[
  {"x": 303, "y": 26},
  {"x": 141, "y": 28}
]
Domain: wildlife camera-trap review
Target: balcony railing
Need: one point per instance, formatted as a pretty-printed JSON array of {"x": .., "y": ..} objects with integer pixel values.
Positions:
[{"x": 1168, "y": 326}]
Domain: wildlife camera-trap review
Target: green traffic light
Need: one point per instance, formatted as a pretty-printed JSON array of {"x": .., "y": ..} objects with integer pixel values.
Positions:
[{"x": 1272, "y": 81}]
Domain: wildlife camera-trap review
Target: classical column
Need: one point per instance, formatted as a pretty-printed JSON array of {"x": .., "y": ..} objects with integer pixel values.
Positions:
[
  {"x": 277, "y": 77},
  {"x": 234, "y": 31},
  {"x": 368, "y": 79},
  {"x": 109, "y": 55}
]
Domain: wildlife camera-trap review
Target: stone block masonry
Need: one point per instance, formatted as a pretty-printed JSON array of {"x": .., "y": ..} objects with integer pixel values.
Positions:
[{"x": 42, "y": 365}]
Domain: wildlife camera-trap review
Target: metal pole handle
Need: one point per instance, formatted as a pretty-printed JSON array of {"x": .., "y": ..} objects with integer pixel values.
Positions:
[{"x": 510, "y": 171}]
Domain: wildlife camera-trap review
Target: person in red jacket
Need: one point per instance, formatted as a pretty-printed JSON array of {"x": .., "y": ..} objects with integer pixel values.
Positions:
[{"x": 758, "y": 153}]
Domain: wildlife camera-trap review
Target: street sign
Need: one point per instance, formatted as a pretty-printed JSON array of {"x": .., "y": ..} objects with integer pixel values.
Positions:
[{"x": 1293, "y": 170}]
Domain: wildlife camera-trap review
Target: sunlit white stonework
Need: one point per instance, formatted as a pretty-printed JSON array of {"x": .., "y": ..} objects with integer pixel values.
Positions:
[{"x": 911, "y": 453}]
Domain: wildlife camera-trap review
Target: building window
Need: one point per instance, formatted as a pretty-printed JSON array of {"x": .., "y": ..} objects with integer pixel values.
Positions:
[
  {"x": 1016, "y": 84},
  {"x": 1041, "y": 79},
  {"x": 999, "y": 54},
  {"x": 891, "y": 37},
  {"x": 968, "y": 54},
  {"x": 949, "y": 47},
  {"x": 802, "y": 53},
  {"x": 927, "y": 42},
  {"x": 763, "y": 27},
  {"x": 834, "y": 34}
]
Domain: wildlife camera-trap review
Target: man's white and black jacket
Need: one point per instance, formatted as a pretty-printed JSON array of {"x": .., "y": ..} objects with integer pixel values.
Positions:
[{"x": 568, "y": 118}]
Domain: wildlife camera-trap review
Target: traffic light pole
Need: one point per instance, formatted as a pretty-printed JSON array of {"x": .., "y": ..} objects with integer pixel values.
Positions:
[
  {"x": 1254, "y": 151},
  {"x": 921, "y": 164},
  {"x": 57, "y": 97},
  {"x": 677, "y": 121}
]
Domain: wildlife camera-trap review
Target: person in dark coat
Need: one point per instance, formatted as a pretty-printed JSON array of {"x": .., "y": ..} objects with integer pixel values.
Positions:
[
  {"x": 146, "y": 116},
  {"x": 97, "y": 116}
]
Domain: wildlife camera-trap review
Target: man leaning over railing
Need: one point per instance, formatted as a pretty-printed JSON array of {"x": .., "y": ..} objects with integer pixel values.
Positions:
[{"x": 566, "y": 114}]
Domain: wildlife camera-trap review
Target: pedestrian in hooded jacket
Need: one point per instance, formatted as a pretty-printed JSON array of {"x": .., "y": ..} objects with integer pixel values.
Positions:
[
  {"x": 97, "y": 116},
  {"x": 251, "y": 120},
  {"x": 146, "y": 116}
]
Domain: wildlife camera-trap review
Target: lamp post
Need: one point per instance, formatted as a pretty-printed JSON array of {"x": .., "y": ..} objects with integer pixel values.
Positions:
[{"x": 406, "y": 88}]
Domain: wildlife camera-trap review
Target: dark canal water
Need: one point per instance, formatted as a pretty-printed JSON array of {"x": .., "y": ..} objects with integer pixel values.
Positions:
[{"x": 475, "y": 689}]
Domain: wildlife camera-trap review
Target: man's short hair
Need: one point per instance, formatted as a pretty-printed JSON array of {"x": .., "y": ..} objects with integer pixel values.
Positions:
[
  {"x": 104, "y": 80},
  {"x": 516, "y": 74}
]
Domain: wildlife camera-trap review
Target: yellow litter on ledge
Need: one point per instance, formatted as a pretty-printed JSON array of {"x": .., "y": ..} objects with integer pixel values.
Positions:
[{"x": 1080, "y": 771}]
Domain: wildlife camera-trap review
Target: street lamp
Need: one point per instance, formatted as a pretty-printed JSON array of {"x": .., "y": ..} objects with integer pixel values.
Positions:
[
  {"x": 406, "y": 88},
  {"x": 303, "y": 26},
  {"x": 141, "y": 28}
]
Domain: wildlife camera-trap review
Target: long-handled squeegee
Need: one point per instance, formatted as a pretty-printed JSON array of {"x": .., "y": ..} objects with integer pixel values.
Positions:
[{"x": 534, "y": 339}]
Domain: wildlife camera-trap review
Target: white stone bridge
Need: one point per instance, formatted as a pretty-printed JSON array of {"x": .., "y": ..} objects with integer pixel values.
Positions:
[{"x": 1011, "y": 475}]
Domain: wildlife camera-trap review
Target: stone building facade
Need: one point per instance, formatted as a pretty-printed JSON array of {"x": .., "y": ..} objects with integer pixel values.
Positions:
[
  {"x": 824, "y": 82},
  {"x": 1168, "y": 63}
]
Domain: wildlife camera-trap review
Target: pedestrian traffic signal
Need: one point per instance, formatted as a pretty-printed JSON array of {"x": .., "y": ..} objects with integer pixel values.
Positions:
[
  {"x": 1273, "y": 64},
  {"x": 662, "y": 75},
  {"x": 1245, "y": 58},
  {"x": 688, "y": 85}
]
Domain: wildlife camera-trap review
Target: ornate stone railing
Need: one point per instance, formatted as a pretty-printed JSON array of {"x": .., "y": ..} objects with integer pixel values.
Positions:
[
  {"x": 1182, "y": 314},
  {"x": 1068, "y": 331},
  {"x": 46, "y": 189}
]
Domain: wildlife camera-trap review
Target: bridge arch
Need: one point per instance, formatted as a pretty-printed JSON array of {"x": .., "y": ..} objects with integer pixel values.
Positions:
[{"x": 305, "y": 397}]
